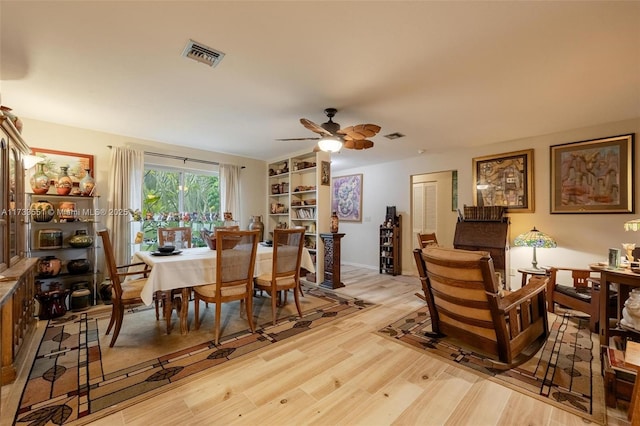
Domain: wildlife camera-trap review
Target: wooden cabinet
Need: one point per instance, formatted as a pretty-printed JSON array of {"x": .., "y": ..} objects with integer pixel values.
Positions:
[
  {"x": 391, "y": 247},
  {"x": 16, "y": 289},
  {"x": 299, "y": 196},
  {"x": 18, "y": 316}
]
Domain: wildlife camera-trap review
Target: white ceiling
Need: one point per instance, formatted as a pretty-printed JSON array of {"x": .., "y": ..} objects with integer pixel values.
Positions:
[{"x": 445, "y": 74}]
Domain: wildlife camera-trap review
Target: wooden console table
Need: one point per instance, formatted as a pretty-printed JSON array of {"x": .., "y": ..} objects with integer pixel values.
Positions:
[
  {"x": 331, "y": 260},
  {"x": 625, "y": 280}
]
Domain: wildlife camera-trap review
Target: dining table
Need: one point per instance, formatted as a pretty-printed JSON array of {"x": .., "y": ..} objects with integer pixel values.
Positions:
[{"x": 190, "y": 267}]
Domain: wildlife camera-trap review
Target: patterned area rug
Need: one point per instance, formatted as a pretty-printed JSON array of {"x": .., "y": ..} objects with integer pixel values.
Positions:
[
  {"x": 565, "y": 372},
  {"x": 76, "y": 375}
]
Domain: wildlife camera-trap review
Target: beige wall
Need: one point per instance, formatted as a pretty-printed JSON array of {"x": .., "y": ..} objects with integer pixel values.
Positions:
[
  {"x": 42, "y": 134},
  {"x": 582, "y": 238}
]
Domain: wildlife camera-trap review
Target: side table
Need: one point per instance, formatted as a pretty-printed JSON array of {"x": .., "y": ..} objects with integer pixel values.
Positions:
[{"x": 532, "y": 272}]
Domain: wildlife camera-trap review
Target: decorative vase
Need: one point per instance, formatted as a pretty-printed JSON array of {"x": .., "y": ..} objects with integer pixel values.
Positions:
[
  {"x": 87, "y": 184},
  {"x": 78, "y": 266},
  {"x": 255, "y": 222},
  {"x": 628, "y": 248},
  {"x": 67, "y": 211},
  {"x": 335, "y": 221},
  {"x": 42, "y": 211},
  {"x": 81, "y": 296},
  {"x": 52, "y": 304},
  {"x": 81, "y": 239},
  {"x": 40, "y": 181},
  {"x": 49, "y": 239},
  {"x": 49, "y": 266},
  {"x": 65, "y": 183},
  {"x": 105, "y": 291}
]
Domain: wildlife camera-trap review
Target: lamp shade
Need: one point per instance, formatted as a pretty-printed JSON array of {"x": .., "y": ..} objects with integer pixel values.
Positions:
[
  {"x": 330, "y": 144},
  {"x": 632, "y": 225},
  {"x": 534, "y": 238}
]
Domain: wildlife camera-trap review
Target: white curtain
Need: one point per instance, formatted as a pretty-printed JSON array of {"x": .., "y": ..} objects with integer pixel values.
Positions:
[
  {"x": 230, "y": 189},
  {"x": 125, "y": 192}
]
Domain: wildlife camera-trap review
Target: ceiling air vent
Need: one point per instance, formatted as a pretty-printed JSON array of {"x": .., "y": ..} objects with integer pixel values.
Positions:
[
  {"x": 201, "y": 53},
  {"x": 395, "y": 135}
]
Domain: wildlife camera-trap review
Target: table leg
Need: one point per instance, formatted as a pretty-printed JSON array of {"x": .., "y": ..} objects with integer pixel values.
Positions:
[
  {"x": 167, "y": 306},
  {"x": 604, "y": 320},
  {"x": 184, "y": 311}
]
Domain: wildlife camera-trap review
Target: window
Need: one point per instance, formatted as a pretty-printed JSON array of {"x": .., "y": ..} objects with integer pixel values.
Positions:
[{"x": 173, "y": 197}]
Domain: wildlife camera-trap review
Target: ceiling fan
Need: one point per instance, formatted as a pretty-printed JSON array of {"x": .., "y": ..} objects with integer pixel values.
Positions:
[{"x": 333, "y": 138}]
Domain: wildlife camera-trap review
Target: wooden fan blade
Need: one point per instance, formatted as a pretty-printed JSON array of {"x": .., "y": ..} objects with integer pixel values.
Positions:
[
  {"x": 299, "y": 139},
  {"x": 360, "y": 131},
  {"x": 314, "y": 127},
  {"x": 358, "y": 144}
]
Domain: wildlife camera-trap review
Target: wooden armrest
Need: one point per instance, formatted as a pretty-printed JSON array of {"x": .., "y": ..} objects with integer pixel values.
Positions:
[{"x": 535, "y": 285}]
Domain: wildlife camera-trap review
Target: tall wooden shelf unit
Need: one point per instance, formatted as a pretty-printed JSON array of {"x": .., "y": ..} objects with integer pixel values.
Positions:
[
  {"x": 297, "y": 197},
  {"x": 391, "y": 247}
]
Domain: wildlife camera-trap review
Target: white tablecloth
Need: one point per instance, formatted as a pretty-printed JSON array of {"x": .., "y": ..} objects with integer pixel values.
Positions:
[{"x": 197, "y": 266}]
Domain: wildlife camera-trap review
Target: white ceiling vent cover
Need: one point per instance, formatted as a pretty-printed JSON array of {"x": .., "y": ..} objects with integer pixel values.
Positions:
[{"x": 201, "y": 53}]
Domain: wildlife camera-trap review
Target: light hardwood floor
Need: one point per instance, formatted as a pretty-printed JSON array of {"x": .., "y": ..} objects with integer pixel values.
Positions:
[{"x": 341, "y": 374}]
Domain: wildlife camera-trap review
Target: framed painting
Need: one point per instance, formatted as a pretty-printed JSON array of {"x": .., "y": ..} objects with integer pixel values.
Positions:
[
  {"x": 325, "y": 173},
  {"x": 593, "y": 176},
  {"x": 77, "y": 163},
  {"x": 504, "y": 180},
  {"x": 346, "y": 197}
]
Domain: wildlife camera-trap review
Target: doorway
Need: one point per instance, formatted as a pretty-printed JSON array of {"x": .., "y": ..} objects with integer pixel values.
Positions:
[{"x": 434, "y": 206}]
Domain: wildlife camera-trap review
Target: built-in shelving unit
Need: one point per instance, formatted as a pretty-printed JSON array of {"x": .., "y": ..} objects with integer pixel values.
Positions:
[{"x": 298, "y": 196}]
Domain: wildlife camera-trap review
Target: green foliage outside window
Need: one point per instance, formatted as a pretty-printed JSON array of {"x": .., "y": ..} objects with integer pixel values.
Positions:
[{"x": 177, "y": 198}]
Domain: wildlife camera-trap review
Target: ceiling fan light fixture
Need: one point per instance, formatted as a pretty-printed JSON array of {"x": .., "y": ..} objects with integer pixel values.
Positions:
[{"x": 330, "y": 144}]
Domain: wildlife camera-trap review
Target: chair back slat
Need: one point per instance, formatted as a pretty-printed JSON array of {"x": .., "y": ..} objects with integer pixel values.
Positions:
[
  {"x": 235, "y": 258},
  {"x": 179, "y": 236},
  {"x": 287, "y": 253},
  {"x": 427, "y": 240}
]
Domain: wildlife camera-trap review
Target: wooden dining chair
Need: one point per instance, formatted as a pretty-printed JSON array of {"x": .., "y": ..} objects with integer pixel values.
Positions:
[
  {"x": 285, "y": 271},
  {"x": 234, "y": 275},
  {"x": 179, "y": 236},
  {"x": 124, "y": 293},
  {"x": 427, "y": 240}
]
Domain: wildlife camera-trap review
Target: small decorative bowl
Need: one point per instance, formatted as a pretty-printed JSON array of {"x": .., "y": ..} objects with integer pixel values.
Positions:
[{"x": 166, "y": 249}]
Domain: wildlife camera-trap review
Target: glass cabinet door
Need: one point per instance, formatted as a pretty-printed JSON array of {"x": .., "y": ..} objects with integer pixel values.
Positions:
[
  {"x": 13, "y": 203},
  {"x": 4, "y": 217}
]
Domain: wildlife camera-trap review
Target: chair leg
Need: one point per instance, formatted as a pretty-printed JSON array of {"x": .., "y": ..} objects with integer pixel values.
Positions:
[
  {"x": 296, "y": 297},
  {"x": 217, "y": 324},
  {"x": 275, "y": 294},
  {"x": 114, "y": 308},
  {"x": 249, "y": 304},
  {"x": 196, "y": 310},
  {"x": 168, "y": 310},
  {"x": 116, "y": 331}
]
